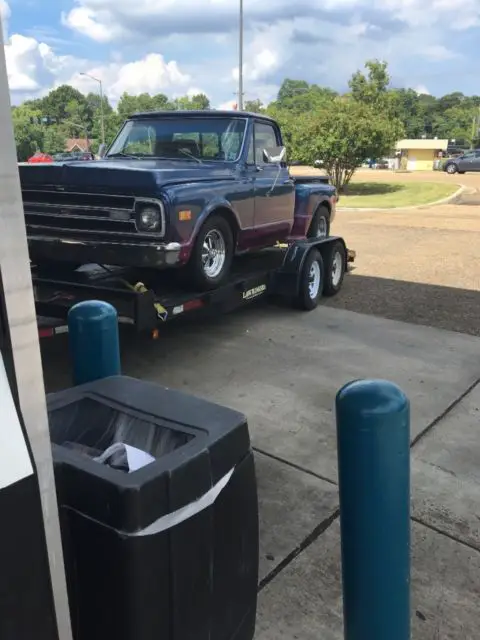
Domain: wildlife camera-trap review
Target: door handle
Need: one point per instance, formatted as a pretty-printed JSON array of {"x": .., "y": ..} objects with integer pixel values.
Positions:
[{"x": 258, "y": 168}]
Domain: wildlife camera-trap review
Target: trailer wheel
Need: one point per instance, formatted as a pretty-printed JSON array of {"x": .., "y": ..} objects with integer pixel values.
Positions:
[
  {"x": 335, "y": 261},
  {"x": 311, "y": 282}
]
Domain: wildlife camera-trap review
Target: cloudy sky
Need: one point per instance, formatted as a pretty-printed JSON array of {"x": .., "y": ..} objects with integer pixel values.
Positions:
[{"x": 188, "y": 46}]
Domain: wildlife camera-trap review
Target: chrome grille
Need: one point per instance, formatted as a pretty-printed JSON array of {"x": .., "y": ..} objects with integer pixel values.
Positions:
[
  {"x": 61, "y": 212},
  {"x": 64, "y": 211}
]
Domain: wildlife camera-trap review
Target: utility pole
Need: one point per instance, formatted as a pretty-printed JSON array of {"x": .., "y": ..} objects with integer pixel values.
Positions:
[
  {"x": 240, "y": 60},
  {"x": 102, "y": 119}
]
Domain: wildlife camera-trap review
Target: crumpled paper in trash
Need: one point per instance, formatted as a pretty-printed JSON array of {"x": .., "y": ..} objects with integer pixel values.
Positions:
[{"x": 125, "y": 457}]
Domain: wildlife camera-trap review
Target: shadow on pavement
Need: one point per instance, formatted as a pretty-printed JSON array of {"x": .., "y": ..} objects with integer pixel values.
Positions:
[{"x": 426, "y": 304}]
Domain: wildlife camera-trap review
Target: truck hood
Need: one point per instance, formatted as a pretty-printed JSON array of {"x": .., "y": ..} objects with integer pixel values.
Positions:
[{"x": 125, "y": 176}]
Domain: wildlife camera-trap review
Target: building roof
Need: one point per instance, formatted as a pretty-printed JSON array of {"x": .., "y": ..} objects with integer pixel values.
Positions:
[
  {"x": 422, "y": 143},
  {"x": 81, "y": 143}
]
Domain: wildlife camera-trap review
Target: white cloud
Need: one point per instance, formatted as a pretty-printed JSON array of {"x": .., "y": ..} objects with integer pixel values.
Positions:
[
  {"x": 27, "y": 64},
  {"x": 108, "y": 20},
  {"x": 422, "y": 90},
  {"x": 93, "y": 24},
  {"x": 152, "y": 74},
  {"x": 438, "y": 52},
  {"x": 457, "y": 14}
]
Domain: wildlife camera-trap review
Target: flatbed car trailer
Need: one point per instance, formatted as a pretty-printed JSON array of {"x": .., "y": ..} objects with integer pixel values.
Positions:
[{"x": 300, "y": 272}]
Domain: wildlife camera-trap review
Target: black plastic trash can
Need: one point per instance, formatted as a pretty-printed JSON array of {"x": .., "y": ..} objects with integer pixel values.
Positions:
[{"x": 169, "y": 551}]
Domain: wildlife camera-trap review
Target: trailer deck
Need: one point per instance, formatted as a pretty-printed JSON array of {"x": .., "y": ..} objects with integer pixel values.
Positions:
[{"x": 145, "y": 299}]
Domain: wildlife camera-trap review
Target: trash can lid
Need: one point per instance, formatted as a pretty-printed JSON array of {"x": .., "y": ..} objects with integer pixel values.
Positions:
[{"x": 206, "y": 442}]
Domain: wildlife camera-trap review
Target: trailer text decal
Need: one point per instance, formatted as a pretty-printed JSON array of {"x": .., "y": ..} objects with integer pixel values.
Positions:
[{"x": 253, "y": 293}]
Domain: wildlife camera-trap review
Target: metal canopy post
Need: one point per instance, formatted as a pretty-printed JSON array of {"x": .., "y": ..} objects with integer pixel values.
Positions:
[{"x": 25, "y": 352}]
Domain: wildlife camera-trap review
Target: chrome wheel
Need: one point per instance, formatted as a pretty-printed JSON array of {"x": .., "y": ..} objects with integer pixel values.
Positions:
[
  {"x": 451, "y": 169},
  {"x": 213, "y": 253},
  {"x": 314, "y": 280},
  {"x": 322, "y": 228},
  {"x": 337, "y": 268}
]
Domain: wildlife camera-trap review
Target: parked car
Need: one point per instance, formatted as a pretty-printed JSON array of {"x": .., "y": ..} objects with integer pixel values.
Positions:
[
  {"x": 176, "y": 189},
  {"x": 468, "y": 161},
  {"x": 39, "y": 157}
]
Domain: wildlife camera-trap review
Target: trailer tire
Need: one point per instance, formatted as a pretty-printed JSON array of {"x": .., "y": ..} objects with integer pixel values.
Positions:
[
  {"x": 311, "y": 282},
  {"x": 335, "y": 261},
  {"x": 216, "y": 235},
  {"x": 320, "y": 225}
]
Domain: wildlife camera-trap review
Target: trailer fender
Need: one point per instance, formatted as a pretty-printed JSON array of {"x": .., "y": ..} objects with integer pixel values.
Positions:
[{"x": 288, "y": 278}]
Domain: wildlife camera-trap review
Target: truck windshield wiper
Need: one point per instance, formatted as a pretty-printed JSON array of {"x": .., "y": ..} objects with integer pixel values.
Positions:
[{"x": 190, "y": 155}]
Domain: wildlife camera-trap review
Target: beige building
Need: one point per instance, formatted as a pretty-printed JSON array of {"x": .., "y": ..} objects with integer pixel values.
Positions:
[{"x": 420, "y": 153}]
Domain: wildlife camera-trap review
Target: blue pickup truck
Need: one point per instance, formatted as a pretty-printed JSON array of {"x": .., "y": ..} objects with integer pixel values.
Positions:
[{"x": 175, "y": 189}]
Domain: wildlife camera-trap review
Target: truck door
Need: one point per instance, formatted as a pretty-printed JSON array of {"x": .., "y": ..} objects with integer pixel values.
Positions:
[{"x": 274, "y": 189}]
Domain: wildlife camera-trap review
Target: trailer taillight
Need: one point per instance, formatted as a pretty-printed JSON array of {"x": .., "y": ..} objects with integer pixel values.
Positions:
[{"x": 45, "y": 333}]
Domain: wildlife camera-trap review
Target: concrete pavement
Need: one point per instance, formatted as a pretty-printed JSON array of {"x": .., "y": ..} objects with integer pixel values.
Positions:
[{"x": 282, "y": 369}]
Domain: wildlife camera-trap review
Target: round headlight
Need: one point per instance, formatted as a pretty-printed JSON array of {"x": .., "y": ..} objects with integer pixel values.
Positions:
[{"x": 148, "y": 218}]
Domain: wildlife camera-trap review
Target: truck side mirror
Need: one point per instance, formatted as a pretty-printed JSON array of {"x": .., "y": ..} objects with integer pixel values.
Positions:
[{"x": 278, "y": 156}]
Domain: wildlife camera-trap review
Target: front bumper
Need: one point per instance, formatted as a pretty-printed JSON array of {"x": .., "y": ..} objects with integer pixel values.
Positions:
[{"x": 129, "y": 254}]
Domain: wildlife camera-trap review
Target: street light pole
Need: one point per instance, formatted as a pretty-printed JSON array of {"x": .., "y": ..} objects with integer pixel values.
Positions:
[
  {"x": 102, "y": 119},
  {"x": 240, "y": 61}
]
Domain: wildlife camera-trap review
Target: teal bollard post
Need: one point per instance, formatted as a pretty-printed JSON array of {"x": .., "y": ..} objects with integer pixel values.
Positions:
[
  {"x": 94, "y": 341},
  {"x": 373, "y": 437}
]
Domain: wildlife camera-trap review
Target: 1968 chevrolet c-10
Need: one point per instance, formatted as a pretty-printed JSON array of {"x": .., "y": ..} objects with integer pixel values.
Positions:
[{"x": 175, "y": 189}]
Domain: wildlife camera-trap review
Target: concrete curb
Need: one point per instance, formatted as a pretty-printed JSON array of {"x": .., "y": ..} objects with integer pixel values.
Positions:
[{"x": 417, "y": 206}]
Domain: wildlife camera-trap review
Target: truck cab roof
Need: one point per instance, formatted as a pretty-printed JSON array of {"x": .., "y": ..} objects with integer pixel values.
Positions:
[{"x": 198, "y": 113}]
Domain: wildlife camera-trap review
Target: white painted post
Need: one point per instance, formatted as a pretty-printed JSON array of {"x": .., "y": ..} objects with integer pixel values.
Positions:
[{"x": 20, "y": 311}]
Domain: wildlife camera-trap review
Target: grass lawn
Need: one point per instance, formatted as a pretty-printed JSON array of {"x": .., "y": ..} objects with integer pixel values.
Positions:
[{"x": 388, "y": 195}]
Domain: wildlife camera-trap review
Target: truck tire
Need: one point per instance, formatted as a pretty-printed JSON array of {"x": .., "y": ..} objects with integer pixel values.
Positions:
[
  {"x": 320, "y": 225},
  {"x": 335, "y": 261},
  {"x": 212, "y": 254},
  {"x": 311, "y": 282}
]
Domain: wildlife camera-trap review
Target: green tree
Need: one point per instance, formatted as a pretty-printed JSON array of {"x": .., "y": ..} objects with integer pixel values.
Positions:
[
  {"x": 192, "y": 103},
  {"x": 343, "y": 134},
  {"x": 406, "y": 107},
  {"x": 372, "y": 88},
  {"x": 298, "y": 96},
  {"x": 291, "y": 88},
  {"x": 53, "y": 140},
  {"x": 254, "y": 106},
  {"x": 161, "y": 102},
  {"x": 28, "y": 131},
  {"x": 64, "y": 103}
]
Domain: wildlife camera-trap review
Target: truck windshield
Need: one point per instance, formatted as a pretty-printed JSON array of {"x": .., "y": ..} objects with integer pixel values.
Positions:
[{"x": 196, "y": 139}]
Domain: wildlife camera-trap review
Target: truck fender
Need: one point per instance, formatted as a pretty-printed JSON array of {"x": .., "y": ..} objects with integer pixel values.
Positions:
[{"x": 218, "y": 204}]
